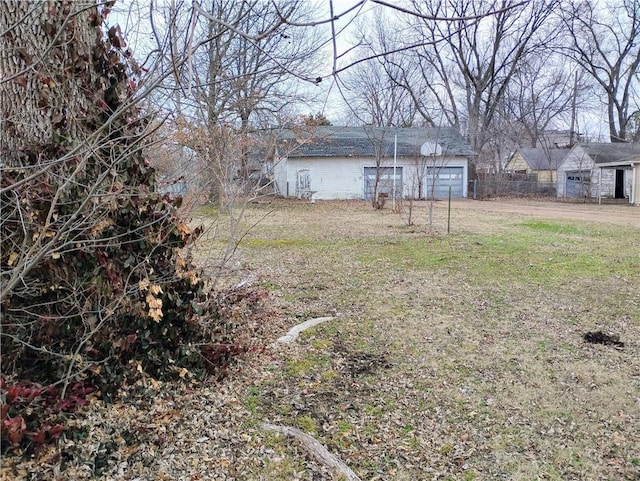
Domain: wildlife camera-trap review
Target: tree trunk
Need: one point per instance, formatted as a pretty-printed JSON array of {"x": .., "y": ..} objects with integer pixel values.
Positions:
[
  {"x": 614, "y": 134},
  {"x": 91, "y": 253},
  {"x": 50, "y": 85},
  {"x": 244, "y": 145},
  {"x": 376, "y": 189}
]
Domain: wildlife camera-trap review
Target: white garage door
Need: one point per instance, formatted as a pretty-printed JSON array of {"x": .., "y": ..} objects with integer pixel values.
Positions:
[
  {"x": 578, "y": 184},
  {"x": 386, "y": 181},
  {"x": 438, "y": 180}
]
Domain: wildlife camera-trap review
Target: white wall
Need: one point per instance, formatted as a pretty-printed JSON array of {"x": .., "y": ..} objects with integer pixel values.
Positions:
[
  {"x": 343, "y": 178},
  {"x": 635, "y": 185},
  {"x": 280, "y": 175},
  {"x": 603, "y": 181}
]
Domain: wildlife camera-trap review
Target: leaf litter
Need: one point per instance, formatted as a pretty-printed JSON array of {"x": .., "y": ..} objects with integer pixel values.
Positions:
[{"x": 423, "y": 375}]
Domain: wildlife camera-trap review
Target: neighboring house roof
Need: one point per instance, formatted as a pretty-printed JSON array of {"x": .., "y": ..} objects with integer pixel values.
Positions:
[
  {"x": 362, "y": 141},
  {"x": 544, "y": 159},
  {"x": 604, "y": 153},
  {"x": 560, "y": 138}
]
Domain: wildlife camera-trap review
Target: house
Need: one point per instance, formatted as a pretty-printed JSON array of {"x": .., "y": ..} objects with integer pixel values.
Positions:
[
  {"x": 343, "y": 162},
  {"x": 541, "y": 162},
  {"x": 560, "y": 138},
  {"x": 601, "y": 170}
]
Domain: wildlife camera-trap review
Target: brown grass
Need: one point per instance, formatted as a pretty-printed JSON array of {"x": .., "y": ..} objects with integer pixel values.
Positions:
[
  {"x": 456, "y": 356},
  {"x": 453, "y": 356}
]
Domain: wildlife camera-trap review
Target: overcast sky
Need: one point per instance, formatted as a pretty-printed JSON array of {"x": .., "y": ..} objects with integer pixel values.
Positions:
[{"x": 134, "y": 18}]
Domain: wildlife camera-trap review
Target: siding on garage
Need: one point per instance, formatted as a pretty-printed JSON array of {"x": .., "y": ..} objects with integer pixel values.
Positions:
[
  {"x": 635, "y": 186},
  {"x": 279, "y": 174},
  {"x": 604, "y": 183},
  {"x": 517, "y": 164},
  {"x": 547, "y": 175},
  {"x": 330, "y": 179},
  {"x": 344, "y": 178}
]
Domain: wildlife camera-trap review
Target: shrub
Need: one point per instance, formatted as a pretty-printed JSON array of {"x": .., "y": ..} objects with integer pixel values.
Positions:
[{"x": 97, "y": 282}]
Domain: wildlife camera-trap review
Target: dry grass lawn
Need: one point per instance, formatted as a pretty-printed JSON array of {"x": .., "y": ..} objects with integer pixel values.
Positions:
[{"x": 454, "y": 356}]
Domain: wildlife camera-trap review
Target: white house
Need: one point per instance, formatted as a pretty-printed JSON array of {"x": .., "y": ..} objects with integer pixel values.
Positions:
[
  {"x": 601, "y": 170},
  {"x": 342, "y": 162}
]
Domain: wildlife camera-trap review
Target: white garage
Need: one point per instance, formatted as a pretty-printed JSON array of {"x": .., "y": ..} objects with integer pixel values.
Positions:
[
  {"x": 601, "y": 170},
  {"x": 344, "y": 162}
]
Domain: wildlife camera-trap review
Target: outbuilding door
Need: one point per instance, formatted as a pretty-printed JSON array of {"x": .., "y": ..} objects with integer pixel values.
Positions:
[
  {"x": 438, "y": 180},
  {"x": 303, "y": 184},
  {"x": 386, "y": 181},
  {"x": 619, "y": 192},
  {"x": 578, "y": 184}
]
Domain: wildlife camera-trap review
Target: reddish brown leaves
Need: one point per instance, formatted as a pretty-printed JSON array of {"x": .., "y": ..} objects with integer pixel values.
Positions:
[{"x": 116, "y": 38}]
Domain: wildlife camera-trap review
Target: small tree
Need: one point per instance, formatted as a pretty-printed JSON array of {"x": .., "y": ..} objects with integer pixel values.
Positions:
[{"x": 377, "y": 138}]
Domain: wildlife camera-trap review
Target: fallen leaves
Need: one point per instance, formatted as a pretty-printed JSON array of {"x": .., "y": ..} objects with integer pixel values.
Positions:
[
  {"x": 423, "y": 375},
  {"x": 13, "y": 257}
]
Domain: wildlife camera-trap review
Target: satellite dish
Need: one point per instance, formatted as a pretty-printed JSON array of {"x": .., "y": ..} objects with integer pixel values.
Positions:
[{"x": 430, "y": 149}]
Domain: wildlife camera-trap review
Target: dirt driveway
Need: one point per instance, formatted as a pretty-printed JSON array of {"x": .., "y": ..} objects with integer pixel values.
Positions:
[{"x": 621, "y": 214}]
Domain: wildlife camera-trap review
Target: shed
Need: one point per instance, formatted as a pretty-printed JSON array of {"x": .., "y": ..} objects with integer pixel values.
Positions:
[
  {"x": 610, "y": 170},
  {"x": 343, "y": 162}
]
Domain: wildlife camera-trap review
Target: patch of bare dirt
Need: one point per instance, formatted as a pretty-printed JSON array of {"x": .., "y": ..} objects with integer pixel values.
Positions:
[{"x": 621, "y": 214}]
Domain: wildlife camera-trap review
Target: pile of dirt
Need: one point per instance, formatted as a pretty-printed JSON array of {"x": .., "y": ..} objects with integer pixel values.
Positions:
[{"x": 599, "y": 337}]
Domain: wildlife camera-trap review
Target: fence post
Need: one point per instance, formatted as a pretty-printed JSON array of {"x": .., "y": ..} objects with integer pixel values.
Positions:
[{"x": 449, "y": 211}]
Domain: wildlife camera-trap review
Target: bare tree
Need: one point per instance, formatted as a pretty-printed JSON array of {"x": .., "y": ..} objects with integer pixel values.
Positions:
[
  {"x": 251, "y": 58},
  {"x": 372, "y": 96},
  {"x": 542, "y": 95},
  {"x": 468, "y": 65},
  {"x": 605, "y": 42},
  {"x": 376, "y": 100}
]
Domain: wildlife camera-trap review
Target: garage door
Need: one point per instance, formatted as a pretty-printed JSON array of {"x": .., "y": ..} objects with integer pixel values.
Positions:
[
  {"x": 578, "y": 184},
  {"x": 438, "y": 180},
  {"x": 386, "y": 181}
]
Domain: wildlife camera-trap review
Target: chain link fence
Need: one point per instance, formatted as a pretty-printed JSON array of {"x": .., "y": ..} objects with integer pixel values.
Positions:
[{"x": 487, "y": 187}]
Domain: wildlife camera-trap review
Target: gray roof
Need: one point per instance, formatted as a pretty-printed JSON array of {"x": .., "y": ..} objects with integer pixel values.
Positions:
[
  {"x": 361, "y": 141},
  {"x": 544, "y": 159},
  {"x": 602, "y": 153}
]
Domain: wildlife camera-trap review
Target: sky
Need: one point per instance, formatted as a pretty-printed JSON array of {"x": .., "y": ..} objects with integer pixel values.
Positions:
[{"x": 134, "y": 18}]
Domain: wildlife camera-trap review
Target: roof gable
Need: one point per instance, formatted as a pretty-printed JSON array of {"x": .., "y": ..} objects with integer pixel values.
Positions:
[{"x": 543, "y": 159}]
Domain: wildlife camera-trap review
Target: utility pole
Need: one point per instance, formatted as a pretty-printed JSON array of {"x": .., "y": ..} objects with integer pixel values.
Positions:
[{"x": 572, "y": 131}]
